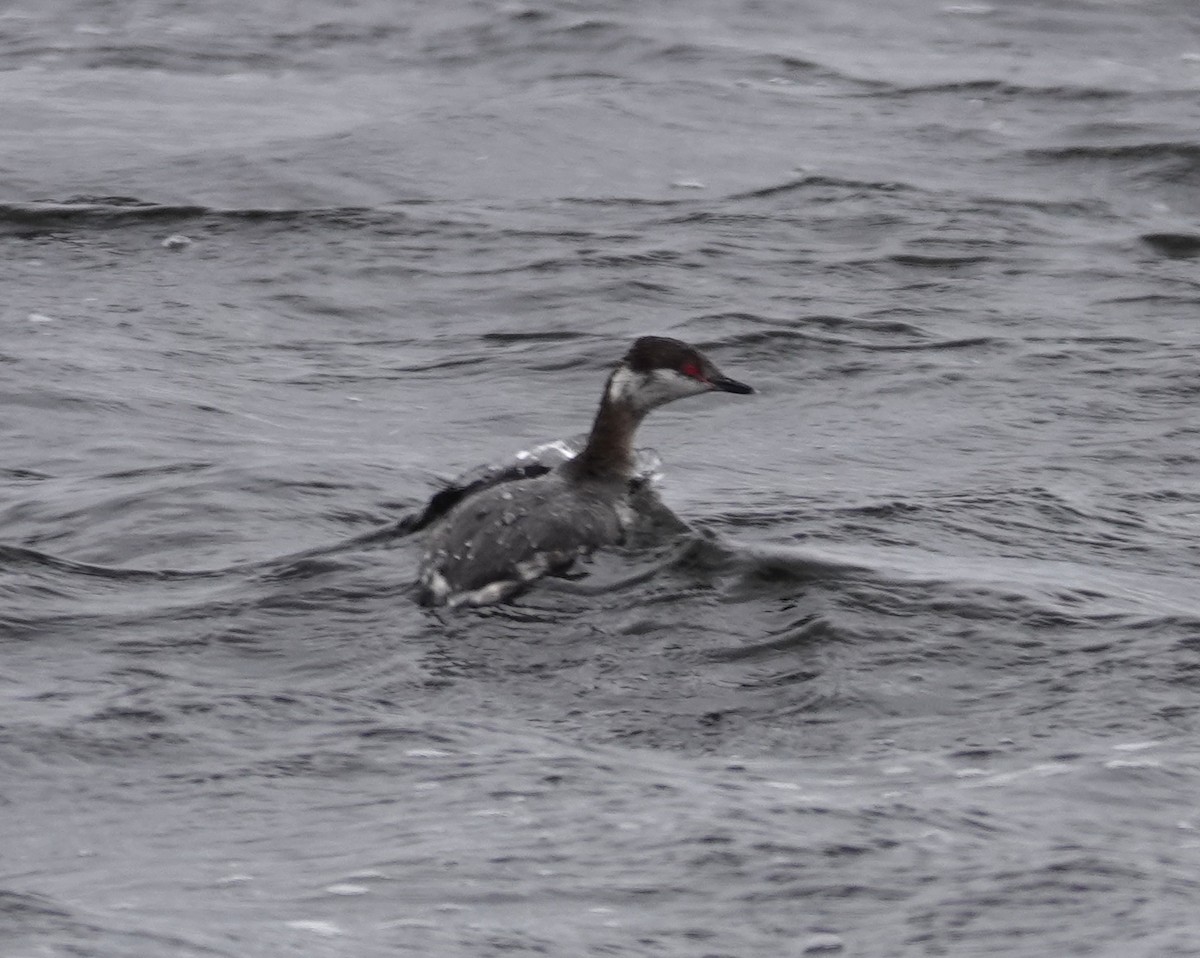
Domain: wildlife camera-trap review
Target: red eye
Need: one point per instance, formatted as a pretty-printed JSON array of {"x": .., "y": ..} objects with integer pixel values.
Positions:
[{"x": 691, "y": 369}]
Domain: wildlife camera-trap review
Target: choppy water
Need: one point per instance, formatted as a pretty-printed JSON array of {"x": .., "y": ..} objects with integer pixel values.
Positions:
[{"x": 924, "y": 682}]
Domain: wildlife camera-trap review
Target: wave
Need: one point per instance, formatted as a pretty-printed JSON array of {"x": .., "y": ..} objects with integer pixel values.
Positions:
[
  {"x": 1169, "y": 163},
  {"x": 920, "y": 341},
  {"x": 108, "y": 211},
  {"x": 1183, "y": 150},
  {"x": 1007, "y": 88},
  {"x": 19, "y": 558},
  {"x": 1174, "y": 245},
  {"x": 810, "y": 181}
]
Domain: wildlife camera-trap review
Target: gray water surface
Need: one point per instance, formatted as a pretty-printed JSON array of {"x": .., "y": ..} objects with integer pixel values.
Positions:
[{"x": 923, "y": 679}]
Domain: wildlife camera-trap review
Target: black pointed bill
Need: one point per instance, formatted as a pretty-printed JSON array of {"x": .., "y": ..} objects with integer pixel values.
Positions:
[{"x": 727, "y": 385}]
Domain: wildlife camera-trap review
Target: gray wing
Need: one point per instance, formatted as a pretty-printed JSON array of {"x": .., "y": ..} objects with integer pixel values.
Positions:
[{"x": 498, "y": 541}]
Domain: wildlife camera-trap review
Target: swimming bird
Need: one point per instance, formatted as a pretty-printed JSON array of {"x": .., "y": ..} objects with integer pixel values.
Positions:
[{"x": 495, "y": 543}]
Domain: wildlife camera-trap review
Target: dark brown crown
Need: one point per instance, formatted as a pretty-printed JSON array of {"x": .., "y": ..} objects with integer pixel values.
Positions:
[{"x": 661, "y": 352}]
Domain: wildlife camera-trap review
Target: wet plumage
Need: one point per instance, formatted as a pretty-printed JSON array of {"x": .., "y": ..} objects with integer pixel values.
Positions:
[{"x": 496, "y": 542}]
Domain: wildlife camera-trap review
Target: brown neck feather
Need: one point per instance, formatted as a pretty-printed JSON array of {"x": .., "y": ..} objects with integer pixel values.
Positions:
[{"x": 609, "y": 450}]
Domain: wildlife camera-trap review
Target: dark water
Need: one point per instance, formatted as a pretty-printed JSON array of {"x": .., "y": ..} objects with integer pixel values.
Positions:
[{"x": 922, "y": 683}]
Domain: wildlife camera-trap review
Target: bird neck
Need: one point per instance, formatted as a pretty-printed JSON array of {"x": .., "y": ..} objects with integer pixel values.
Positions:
[{"x": 609, "y": 450}]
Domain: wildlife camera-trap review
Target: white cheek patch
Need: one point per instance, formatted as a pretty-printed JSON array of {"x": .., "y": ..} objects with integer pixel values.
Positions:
[
  {"x": 624, "y": 385},
  {"x": 645, "y": 391}
]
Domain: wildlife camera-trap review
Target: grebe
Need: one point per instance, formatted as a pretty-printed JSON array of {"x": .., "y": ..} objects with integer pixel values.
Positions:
[{"x": 495, "y": 543}]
